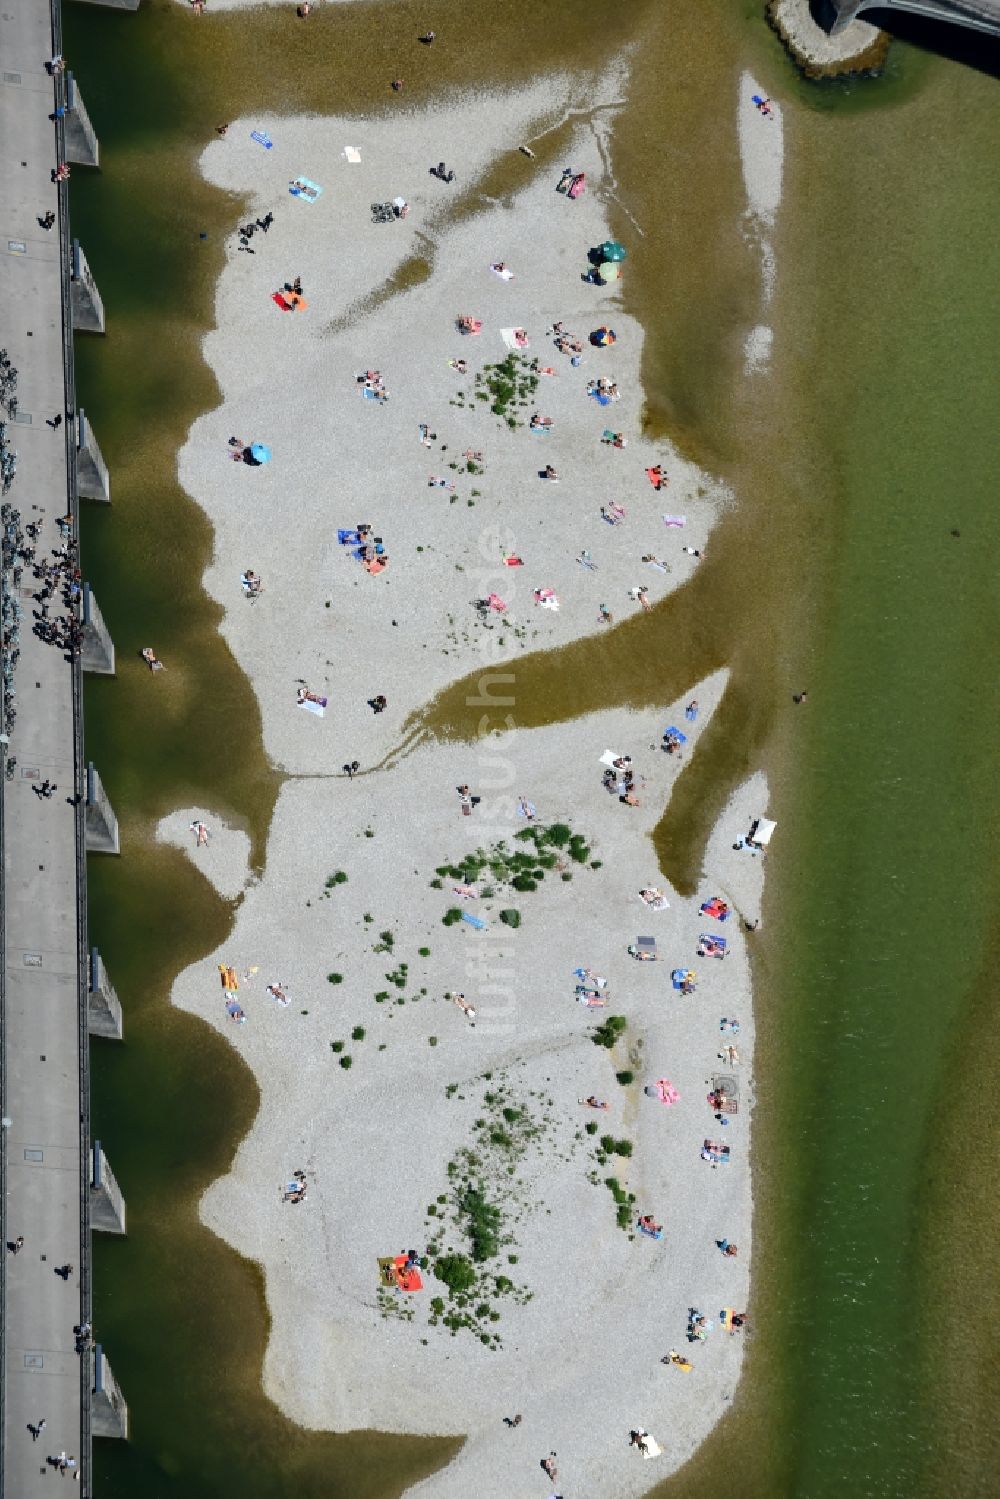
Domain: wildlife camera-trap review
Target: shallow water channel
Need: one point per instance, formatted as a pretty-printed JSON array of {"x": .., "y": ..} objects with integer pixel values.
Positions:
[{"x": 852, "y": 463}]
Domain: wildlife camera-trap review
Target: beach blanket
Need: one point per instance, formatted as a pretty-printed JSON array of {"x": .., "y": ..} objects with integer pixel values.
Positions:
[
  {"x": 671, "y": 732},
  {"x": 514, "y": 338},
  {"x": 609, "y": 757},
  {"x": 650, "y": 1447},
  {"x": 353, "y": 154},
  {"x": 475, "y": 921},
  {"x": 261, "y": 139},
  {"x": 675, "y": 520},
  {"x": 711, "y": 946},
  {"x": 306, "y": 190},
  {"x": 726, "y": 1319},
  {"x": 600, "y": 397},
  {"x": 318, "y": 708},
  {"x": 234, "y": 1012},
  {"x": 348, "y": 538},
  {"x": 513, "y": 562},
  {"x": 505, "y": 274}
]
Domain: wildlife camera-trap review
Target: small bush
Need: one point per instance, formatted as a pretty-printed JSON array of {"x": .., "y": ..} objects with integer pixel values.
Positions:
[
  {"x": 524, "y": 883},
  {"x": 424, "y": 952},
  {"x": 358, "y": 1033},
  {"x": 336, "y": 1045},
  {"x": 510, "y": 917},
  {"x": 456, "y": 1272},
  {"x": 335, "y": 978},
  {"x": 346, "y": 1062},
  {"x": 609, "y": 1031},
  {"x": 566, "y": 876},
  {"x": 625, "y": 1077},
  {"x": 450, "y": 916},
  {"x": 591, "y": 1127},
  {"x": 432, "y": 1040},
  {"x": 559, "y": 834}
]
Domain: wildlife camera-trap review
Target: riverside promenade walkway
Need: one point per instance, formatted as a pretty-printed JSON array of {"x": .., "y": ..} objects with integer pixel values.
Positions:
[{"x": 45, "y": 1058}]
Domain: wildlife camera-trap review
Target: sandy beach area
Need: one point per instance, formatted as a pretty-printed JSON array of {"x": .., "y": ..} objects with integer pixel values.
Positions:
[{"x": 393, "y": 1101}]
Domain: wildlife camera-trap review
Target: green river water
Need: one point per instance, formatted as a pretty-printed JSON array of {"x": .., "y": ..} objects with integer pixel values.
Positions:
[{"x": 872, "y": 1358}]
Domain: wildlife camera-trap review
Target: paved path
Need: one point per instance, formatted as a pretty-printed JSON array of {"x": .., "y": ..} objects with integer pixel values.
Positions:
[{"x": 43, "y": 1373}]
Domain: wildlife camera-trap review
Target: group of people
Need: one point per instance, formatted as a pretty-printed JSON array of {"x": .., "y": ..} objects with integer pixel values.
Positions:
[
  {"x": 372, "y": 386},
  {"x": 247, "y": 231},
  {"x": 296, "y": 1189},
  {"x": 62, "y": 577}
]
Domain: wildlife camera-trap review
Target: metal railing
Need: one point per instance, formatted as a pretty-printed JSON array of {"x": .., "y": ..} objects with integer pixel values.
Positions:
[{"x": 79, "y": 787}]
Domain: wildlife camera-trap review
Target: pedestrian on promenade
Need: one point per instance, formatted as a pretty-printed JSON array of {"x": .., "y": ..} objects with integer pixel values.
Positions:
[
  {"x": 54, "y": 421},
  {"x": 37, "y": 1430},
  {"x": 16, "y": 1245},
  {"x": 64, "y": 1270}
]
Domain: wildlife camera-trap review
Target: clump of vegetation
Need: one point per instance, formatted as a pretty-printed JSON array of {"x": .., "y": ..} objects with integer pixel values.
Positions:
[
  {"x": 625, "y": 1077},
  {"x": 510, "y": 917},
  {"x": 358, "y": 1033},
  {"x": 624, "y": 1201},
  {"x": 611, "y": 1146},
  {"x": 339, "y": 877},
  {"x": 483, "y": 1222},
  {"x": 610, "y": 1030},
  {"x": 346, "y": 1062},
  {"x": 385, "y": 942},
  {"x": 424, "y": 952},
  {"x": 506, "y": 384},
  {"x": 335, "y": 978},
  {"x": 456, "y": 1272},
  {"x": 336, "y": 1045},
  {"x": 522, "y": 869},
  {"x": 478, "y": 1213},
  {"x": 398, "y": 976}
]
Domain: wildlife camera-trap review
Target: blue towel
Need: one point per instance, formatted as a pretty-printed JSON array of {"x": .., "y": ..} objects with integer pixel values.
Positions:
[
  {"x": 676, "y": 734},
  {"x": 475, "y": 921},
  {"x": 348, "y": 538},
  {"x": 261, "y": 139}
]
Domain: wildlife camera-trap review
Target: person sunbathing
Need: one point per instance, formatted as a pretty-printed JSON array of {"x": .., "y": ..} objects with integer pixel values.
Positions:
[
  {"x": 151, "y": 659},
  {"x": 649, "y": 1225},
  {"x": 594, "y": 1103}
]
